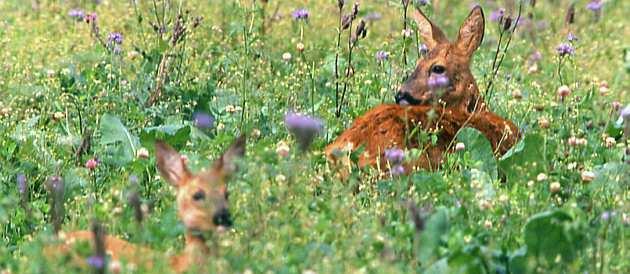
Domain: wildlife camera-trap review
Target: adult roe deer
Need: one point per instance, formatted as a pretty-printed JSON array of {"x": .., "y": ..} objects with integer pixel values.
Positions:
[
  {"x": 202, "y": 207},
  {"x": 440, "y": 96}
]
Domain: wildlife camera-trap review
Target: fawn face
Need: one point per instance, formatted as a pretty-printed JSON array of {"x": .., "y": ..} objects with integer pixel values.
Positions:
[
  {"x": 201, "y": 198},
  {"x": 444, "y": 76}
]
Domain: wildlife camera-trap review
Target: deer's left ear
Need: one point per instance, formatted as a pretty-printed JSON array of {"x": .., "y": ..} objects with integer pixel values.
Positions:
[
  {"x": 471, "y": 32},
  {"x": 226, "y": 164}
]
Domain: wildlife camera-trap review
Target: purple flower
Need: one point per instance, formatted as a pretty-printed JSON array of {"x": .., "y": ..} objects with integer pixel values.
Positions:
[
  {"x": 437, "y": 81},
  {"x": 303, "y": 127},
  {"x": 115, "y": 38},
  {"x": 497, "y": 15},
  {"x": 96, "y": 261},
  {"x": 203, "y": 120},
  {"x": 535, "y": 56},
  {"x": 422, "y": 2},
  {"x": 571, "y": 37},
  {"x": 300, "y": 14},
  {"x": 423, "y": 49},
  {"x": 565, "y": 49},
  {"x": 595, "y": 5},
  {"x": 76, "y": 14},
  {"x": 382, "y": 56},
  {"x": 395, "y": 156},
  {"x": 397, "y": 170},
  {"x": 21, "y": 183},
  {"x": 90, "y": 18},
  {"x": 625, "y": 114}
]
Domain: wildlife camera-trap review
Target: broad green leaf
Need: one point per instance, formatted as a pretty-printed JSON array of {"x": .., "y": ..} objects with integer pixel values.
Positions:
[
  {"x": 436, "y": 227},
  {"x": 551, "y": 234},
  {"x": 480, "y": 150},
  {"x": 120, "y": 145},
  {"x": 525, "y": 159}
]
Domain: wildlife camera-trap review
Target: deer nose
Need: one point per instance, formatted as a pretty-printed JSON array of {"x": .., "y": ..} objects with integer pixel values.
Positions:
[
  {"x": 222, "y": 218},
  {"x": 400, "y": 96}
]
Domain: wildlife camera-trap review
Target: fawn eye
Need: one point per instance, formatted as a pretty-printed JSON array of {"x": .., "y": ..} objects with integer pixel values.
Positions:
[
  {"x": 199, "y": 195},
  {"x": 438, "y": 69}
]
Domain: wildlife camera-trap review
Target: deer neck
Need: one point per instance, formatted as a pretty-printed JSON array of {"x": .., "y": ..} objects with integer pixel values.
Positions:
[{"x": 196, "y": 252}]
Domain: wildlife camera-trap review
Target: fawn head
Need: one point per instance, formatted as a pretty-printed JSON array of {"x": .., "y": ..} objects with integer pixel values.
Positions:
[
  {"x": 202, "y": 198},
  {"x": 443, "y": 75}
]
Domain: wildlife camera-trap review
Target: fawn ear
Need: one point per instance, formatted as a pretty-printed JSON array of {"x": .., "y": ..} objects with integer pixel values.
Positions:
[
  {"x": 431, "y": 34},
  {"x": 471, "y": 32},
  {"x": 226, "y": 164},
  {"x": 171, "y": 165}
]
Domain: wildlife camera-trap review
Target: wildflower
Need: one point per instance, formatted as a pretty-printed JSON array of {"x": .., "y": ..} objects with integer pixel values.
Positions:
[
  {"x": 571, "y": 37},
  {"x": 606, "y": 215},
  {"x": 21, "y": 183},
  {"x": 437, "y": 81},
  {"x": 203, "y": 120},
  {"x": 96, "y": 262},
  {"x": 543, "y": 122},
  {"x": 300, "y": 14},
  {"x": 625, "y": 114},
  {"x": 115, "y": 267},
  {"x": 58, "y": 115},
  {"x": 91, "y": 164},
  {"x": 382, "y": 56},
  {"x": 397, "y": 170},
  {"x": 595, "y": 6},
  {"x": 564, "y": 91},
  {"x": 395, "y": 156},
  {"x": 282, "y": 149},
  {"x": 142, "y": 153},
  {"x": 610, "y": 142},
  {"x": 286, "y": 57},
  {"x": 91, "y": 18},
  {"x": 587, "y": 176},
  {"x": 565, "y": 49},
  {"x": 76, "y": 14},
  {"x": 256, "y": 133},
  {"x": 572, "y": 141},
  {"x": 460, "y": 146},
  {"x": 304, "y": 128},
  {"x": 422, "y": 2},
  {"x": 406, "y": 33},
  {"x": 535, "y": 56},
  {"x": 497, "y": 15},
  {"x": 300, "y": 47},
  {"x": 516, "y": 94},
  {"x": 114, "y": 38},
  {"x": 603, "y": 88},
  {"x": 487, "y": 224},
  {"x": 541, "y": 177},
  {"x": 280, "y": 178},
  {"x": 423, "y": 49},
  {"x": 554, "y": 187}
]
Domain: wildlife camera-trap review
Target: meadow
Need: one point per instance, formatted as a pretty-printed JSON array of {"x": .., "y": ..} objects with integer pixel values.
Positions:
[{"x": 87, "y": 87}]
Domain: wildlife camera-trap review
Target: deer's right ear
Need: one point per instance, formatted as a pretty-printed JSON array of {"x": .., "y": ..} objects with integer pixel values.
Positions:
[
  {"x": 431, "y": 34},
  {"x": 170, "y": 164}
]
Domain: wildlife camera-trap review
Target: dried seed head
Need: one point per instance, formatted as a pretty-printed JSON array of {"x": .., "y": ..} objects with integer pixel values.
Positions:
[
  {"x": 340, "y": 4},
  {"x": 570, "y": 16}
]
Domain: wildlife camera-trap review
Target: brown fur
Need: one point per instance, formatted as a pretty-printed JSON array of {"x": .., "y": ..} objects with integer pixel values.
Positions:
[{"x": 197, "y": 214}]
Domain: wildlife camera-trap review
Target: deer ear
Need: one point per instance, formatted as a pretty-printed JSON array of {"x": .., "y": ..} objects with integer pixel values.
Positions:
[
  {"x": 226, "y": 164},
  {"x": 431, "y": 34},
  {"x": 471, "y": 32},
  {"x": 170, "y": 164}
]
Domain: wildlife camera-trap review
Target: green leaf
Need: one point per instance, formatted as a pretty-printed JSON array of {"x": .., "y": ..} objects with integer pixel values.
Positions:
[
  {"x": 551, "y": 233},
  {"x": 436, "y": 227},
  {"x": 518, "y": 261},
  {"x": 120, "y": 145},
  {"x": 480, "y": 150},
  {"x": 176, "y": 135},
  {"x": 525, "y": 158}
]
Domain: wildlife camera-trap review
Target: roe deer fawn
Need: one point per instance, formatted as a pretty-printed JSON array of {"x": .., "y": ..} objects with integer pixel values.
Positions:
[
  {"x": 440, "y": 96},
  {"x": 202, "y": 207}
]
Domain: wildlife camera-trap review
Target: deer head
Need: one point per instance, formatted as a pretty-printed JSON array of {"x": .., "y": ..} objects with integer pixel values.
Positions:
[
  {"x": 443, "y": 76},
  {"x": 201, "y": 198}
]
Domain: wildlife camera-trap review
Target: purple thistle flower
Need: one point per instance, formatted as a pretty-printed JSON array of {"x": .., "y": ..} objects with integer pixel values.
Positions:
[
  {"x": 535, "y": 56},
  {"x": 90, "y": 18},
  {"x": 595, "y": 6},
  {"x": 497, "y": 15},
  {"x": 382, "y": 56},
  {"x": 395, "y": 156},
  {"x": 21, "y": 183},
  {"x": 437, "y": 81},
  {"x": 76, "y": 14},
  {"x": 303, "y": 127},
  {"x": 96, "y": 261},
  {"x": 397, "y": 170},
  {"x": 203, "y": 120},
  {"x": 565, "y": 49},
  {"x": 300, "y": 14},
  {"x": 422, "y": 2},
  {"x": 571, "y": 37},
  {"x": 423, "y": 49},
  {"x": 115, "y": 38}
]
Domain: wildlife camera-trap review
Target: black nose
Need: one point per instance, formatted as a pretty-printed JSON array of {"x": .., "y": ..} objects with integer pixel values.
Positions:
[
  {"x": 400, "y": 95},
  {"x": 404, "y": 96},
  {"x": 222, "y": 217}
]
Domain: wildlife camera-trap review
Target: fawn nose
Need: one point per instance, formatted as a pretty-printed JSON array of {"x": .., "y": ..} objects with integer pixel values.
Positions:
[
  {"x": 222, "y": 218},
  {"x": 400, "y": 97}
]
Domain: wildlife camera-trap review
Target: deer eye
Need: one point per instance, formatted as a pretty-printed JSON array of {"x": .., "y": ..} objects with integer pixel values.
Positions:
[
  {"x": 438, "y": 69},
  {"x": 199, "y": 195}
]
